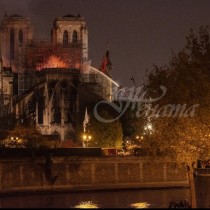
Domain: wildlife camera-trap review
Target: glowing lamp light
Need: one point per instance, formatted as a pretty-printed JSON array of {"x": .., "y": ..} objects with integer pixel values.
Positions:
[
  {"x": 86, "y": 139},
  {"x": 89, "y": 137},
  {"x": 149, "y": 127}
]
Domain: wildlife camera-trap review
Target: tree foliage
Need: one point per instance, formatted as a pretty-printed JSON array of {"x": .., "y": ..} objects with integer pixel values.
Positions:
[
  {"x": 105, "y": 134},
  {"x": 127, "y": 120},
  {"x": 26, "y": 137},
  {"x": 184, "y": 136}
]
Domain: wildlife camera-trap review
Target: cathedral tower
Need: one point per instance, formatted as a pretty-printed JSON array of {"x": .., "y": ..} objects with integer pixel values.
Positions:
[
  {"x": 15, "y": 31},
  {"x": 71, "y": 32}
]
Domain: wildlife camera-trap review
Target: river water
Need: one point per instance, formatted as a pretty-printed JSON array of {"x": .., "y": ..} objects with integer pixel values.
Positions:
[{"x": 155, "y": 198}]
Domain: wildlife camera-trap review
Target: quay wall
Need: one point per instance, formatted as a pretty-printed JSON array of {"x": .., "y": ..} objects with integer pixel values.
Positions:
[
  {"x": 202, "y": 186},
  {"x": 34, "y": 174}
]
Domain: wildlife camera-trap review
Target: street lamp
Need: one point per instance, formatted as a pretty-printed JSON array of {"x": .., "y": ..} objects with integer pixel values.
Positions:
[{"x": 86, "y": 139}]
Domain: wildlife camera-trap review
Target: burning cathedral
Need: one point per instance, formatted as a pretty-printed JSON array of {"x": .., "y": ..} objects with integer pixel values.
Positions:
[{"x": 48, "y": 83}]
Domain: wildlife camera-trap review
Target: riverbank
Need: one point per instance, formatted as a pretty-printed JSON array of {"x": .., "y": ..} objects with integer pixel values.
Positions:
[{"x": 46, "y": 174}]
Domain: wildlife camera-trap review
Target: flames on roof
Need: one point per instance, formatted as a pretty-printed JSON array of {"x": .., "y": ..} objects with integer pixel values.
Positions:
[{"x": 52, "y": 62}]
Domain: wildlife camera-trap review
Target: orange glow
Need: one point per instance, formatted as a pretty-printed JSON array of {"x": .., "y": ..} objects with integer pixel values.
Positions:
[
  {"x": 87, "y": 204},
  {"x": 52, "y": 62}
]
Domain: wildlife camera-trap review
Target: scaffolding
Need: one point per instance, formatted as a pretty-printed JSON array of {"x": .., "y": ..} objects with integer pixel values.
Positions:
[
  {"x": 38, "y": 52},
  {"x": 34, "y": 56}
]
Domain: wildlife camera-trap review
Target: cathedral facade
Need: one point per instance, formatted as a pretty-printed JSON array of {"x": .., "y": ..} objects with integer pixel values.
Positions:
[{"x": 48, "y": 83}]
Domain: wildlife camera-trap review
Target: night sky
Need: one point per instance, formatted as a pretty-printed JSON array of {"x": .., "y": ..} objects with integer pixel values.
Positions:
[{"x": 140, "y": 32}]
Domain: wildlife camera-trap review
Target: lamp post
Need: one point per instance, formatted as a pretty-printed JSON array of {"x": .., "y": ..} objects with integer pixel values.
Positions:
[{"x": 86, "y": 138}]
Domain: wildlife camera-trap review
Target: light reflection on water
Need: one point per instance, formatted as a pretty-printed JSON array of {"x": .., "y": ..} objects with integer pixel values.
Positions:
[
  {"x": 86, "y": 205},
  {"x": 157, "y": 198},
  {"x": 141, "y": 205}
]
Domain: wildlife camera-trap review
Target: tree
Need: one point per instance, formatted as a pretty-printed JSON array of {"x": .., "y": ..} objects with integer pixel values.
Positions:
[
  {"x": 27, "y": 137},
  {"x": 105, "y": 134},
  {"x": 127, "y": 121},
  {"x": 7, "y": 122},
  {"x": 181, "y": 118}
]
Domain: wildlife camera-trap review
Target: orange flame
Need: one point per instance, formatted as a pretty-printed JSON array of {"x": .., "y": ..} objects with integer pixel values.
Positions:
[{"x": 52, "y": 62}]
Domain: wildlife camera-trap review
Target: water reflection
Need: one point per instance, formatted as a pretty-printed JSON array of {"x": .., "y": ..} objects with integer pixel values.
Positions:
[
  {"x": 142, "y": 205},
  {"x": 86, "y": 205},
  {"x": 157, "y": 198}
]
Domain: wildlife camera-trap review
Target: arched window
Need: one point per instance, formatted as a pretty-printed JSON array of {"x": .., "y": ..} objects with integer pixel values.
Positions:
[
  {"x": 12, "y": 44},
  {"x": 65, "y": 38},
  {"x": 74, "y": 37},
  {"x": 20, "y": 37}
]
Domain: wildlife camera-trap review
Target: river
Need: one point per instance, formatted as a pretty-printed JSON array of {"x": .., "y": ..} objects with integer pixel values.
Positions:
[{"x": 151, "y": 198}]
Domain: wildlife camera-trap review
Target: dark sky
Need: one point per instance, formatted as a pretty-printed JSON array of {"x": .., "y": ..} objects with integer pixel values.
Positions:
[{"x": 140, "y": 32}]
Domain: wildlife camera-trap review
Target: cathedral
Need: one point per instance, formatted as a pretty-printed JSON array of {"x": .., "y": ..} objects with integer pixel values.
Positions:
[{"x": 49, "y": 83}]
